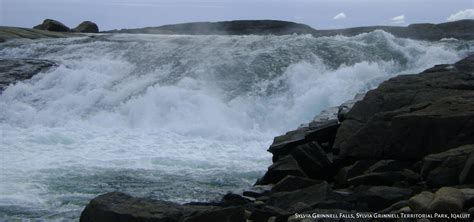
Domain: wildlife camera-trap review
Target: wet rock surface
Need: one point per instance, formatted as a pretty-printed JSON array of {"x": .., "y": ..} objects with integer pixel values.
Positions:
[{"x": 14, "y": 70}]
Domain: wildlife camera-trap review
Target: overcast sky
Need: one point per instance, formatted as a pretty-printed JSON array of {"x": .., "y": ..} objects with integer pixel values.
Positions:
[{"x": 320, "y": 14}]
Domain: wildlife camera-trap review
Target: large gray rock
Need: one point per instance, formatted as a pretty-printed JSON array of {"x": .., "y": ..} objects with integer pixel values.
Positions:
[
  {"x": 14, "y": 70},
  {"x": 420, "y": 203},
  {"x": 447, "y": 200},
  {"x": 52, "y": 25},
  {"x": 411, "y": 116},
  {"x": 86, "y": 27}
]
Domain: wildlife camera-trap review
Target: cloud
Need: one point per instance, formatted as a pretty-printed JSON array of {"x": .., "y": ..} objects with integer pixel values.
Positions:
[
  {"x": 463, "y": 14},
  {"x": 399, "y": 19},
  {"x": 341, "y": 15}
]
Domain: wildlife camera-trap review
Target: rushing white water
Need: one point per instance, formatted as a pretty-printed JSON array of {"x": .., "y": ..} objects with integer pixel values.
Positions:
[{"x": 181, "y": 118}]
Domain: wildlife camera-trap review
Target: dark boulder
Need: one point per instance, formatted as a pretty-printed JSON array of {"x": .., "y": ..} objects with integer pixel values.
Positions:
[
  {"x": 411, "y": 116},
  {"x": 313, "y": 161},
  {"x": 86, "y": 27},
  {"x": 323, "y": 133},
  {"x": 380, "y": 197},
  {"x": 282, "y": 145},
  {"x": 52, "y": 25},
  {"x": 279, "y": 170},
  {"x": 420, "y": 203}
]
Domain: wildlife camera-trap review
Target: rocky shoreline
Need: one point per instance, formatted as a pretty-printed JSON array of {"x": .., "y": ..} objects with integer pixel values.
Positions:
[{"x": 405, "y": 151}]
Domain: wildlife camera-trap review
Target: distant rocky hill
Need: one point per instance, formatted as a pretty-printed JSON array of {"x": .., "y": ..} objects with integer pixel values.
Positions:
[
  {"x": 462, "y": 29},
  {"x": 240, "y": 27}
]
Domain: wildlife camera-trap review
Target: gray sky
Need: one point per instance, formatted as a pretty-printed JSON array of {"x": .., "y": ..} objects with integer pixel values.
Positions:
[{"x": 320, "y": 14}]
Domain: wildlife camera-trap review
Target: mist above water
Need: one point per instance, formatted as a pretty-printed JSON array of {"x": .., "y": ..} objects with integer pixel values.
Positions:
[{"x": 180, "y": 118}]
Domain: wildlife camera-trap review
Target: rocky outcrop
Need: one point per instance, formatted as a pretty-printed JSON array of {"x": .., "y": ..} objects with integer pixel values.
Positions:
[
  {"x": 406, "y": 147},
  {"x": 7, "y": 33},
  {"x": 457, "y": 29},
  {"x": 14, "y": 70},
  {"x": 52, "y": 25},
  {"x": 411, "y": 116},
  {"x": 86, "y": 27}
]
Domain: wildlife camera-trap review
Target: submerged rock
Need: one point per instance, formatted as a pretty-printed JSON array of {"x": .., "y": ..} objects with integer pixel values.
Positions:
[{"x": 14, "y": 70}]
